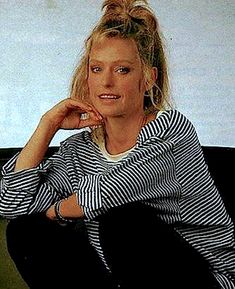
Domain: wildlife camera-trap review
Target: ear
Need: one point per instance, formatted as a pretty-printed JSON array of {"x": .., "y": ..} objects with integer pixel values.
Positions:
[{"x": 152, "y": 77}]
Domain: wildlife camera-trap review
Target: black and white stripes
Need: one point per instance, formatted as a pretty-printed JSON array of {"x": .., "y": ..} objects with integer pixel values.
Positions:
[{"x": 165, "y": 170}]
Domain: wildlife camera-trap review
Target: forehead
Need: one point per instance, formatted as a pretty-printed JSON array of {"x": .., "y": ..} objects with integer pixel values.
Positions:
[{"x": 113, "y": 49}]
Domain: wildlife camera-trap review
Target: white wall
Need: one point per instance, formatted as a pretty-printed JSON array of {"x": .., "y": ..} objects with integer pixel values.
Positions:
[{"x": 40, "y": 42}]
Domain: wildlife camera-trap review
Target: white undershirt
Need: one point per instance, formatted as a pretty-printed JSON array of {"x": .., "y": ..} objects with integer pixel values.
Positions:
[
  {"x": 115, "y": 157},
  {"x": 98, "y": 138}
]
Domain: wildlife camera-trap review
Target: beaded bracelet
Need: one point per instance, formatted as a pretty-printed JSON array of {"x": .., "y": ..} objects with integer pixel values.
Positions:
[{"x": 58, "y": 215}]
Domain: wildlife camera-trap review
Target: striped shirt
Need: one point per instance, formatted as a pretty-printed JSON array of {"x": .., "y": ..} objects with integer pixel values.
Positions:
[{"x": 166, "y": 170}]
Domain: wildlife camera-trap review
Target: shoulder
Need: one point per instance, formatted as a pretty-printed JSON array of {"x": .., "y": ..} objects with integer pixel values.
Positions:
[
  {"x": 178, "y": 122},
  {"x": 171, "y": 125},
  {"x": 173, "y": 117},
  {"x": 181, "y": 130}
]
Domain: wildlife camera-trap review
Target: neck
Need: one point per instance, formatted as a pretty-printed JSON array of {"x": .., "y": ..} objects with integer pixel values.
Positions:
[{"x": 121, "y": 133}]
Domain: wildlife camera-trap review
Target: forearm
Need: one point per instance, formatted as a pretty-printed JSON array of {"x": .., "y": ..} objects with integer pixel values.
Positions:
[
  {"x": 34, "y": 151},
  {"x": 68, "y": 209},
  {"x": 21, "y": 195},
  {"x": 135, "y": 180},
  {"x": 34, "y": 190},
  {"x": 64, "y": 115}
]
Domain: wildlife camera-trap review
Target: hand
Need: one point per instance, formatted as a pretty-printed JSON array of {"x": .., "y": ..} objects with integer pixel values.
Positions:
[
  {"x": 69, "y": 208},
  {"x": 68, "y": 114},
  {"x": 50, "y": 213}
]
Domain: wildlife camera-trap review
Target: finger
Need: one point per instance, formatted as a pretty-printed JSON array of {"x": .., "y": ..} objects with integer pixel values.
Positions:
[
  {"x": 94, "y": 115},
  {"x": 84, "y": 107},
  {"x": 89, "y": 123},
  {"x": 90, "y": 119},
  {"x": 96, "y": 111},
  {"x": 89, "y": 105}
]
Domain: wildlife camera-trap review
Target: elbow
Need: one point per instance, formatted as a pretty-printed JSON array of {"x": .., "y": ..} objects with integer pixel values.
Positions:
[
  {"x": 11, "y": 207},
  {"x": 11, "y": 212}
]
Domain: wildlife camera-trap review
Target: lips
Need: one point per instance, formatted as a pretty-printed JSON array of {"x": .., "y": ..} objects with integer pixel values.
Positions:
[{"x": 109, "y": 96}]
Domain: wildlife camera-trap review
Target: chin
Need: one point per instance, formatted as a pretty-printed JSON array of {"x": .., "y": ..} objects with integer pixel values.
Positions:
[{"x": 109, "y": 113}]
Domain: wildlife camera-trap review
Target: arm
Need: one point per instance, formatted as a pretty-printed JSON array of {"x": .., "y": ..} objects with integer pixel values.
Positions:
[
  {"x": 34, "y": 190},
  {"x": 31, "y": 185},
  {"x": 141, "y": 177},
  {"x": 69, "y": 209},
  {"x": 148, "y": 173},
  {"x": 65, "y": 115}
]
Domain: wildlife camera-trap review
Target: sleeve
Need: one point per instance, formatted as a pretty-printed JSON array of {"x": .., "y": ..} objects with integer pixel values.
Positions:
[
  {"x": 149, "y": 173},
  {"x": 33, "y": 190},
  {"x": 141, "y": 178}
]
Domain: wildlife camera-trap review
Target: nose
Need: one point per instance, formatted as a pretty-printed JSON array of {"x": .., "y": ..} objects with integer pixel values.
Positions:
[{"x": 107, "y": 79}]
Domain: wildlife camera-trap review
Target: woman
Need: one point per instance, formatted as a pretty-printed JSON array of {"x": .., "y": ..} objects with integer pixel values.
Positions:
[{"x": 136, "y": 178}]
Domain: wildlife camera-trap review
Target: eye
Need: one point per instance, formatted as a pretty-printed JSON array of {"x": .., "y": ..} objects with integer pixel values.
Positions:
[
  {"x": 95, "y": 69},
  {"x": 122, "y": 70}
]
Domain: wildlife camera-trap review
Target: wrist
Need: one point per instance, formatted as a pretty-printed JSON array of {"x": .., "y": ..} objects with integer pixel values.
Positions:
[
  {"x": 47, "y": 124},
  {"x": 59, "y": 217}
]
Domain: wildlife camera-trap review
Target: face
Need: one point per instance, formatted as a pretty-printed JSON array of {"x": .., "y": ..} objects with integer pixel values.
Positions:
[{"x": 115, "y": 77}]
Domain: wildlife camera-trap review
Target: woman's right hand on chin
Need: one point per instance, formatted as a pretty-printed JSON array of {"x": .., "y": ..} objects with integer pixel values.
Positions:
[{"x": 71, "y": 114}]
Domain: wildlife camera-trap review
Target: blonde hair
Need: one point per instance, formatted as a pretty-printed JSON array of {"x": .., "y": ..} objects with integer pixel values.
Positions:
[{"x": 135, "y": 20}]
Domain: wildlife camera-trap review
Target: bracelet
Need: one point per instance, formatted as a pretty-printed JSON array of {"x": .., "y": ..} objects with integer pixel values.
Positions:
[{"x": 58, "y": 215}]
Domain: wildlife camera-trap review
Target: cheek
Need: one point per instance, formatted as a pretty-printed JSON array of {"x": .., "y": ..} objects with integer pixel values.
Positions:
[
  {"x": 91, "y": 92},
  {"x": 135, "y": 84},
  {"x": 142, "y": 88},
  {"x": 91, "y": 83},
  {"x": 135, "y": 87}
]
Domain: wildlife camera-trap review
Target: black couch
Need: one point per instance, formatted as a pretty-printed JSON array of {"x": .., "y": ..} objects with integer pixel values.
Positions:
[{"x": 220, "y": 161}]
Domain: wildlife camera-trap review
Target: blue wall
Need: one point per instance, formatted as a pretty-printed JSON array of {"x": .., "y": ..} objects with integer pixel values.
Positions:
[{"x": 41, "y": 43}]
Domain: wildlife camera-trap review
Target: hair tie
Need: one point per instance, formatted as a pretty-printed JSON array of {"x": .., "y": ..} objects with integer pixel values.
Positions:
[{"x": 142, "y": 4}]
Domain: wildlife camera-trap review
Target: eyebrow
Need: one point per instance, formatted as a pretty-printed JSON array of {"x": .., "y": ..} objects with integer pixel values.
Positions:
[{"x": 114, "y": 62}]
